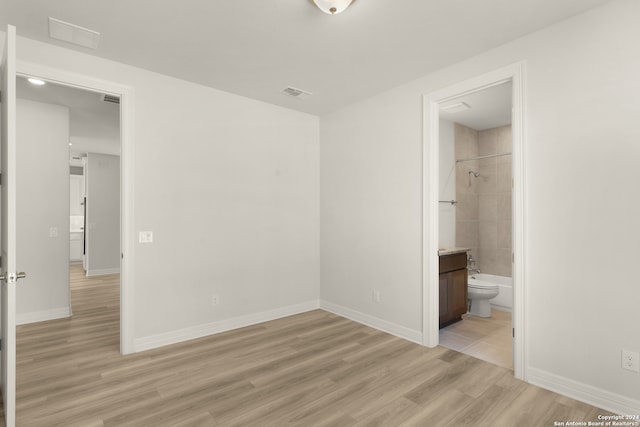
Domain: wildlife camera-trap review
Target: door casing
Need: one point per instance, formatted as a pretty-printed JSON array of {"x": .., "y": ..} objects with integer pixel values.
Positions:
[{"x": 127, "y": 261}]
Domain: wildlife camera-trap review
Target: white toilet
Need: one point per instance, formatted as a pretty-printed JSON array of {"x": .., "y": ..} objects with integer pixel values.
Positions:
[{"x": 480, "y": 294}]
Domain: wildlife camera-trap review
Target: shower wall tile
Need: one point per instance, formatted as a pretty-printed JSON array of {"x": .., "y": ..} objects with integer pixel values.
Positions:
[
  {"x": 489, "y": 163},
  {"x": 503, "y": 178},
  {"x": 488, "y": 180},
  {"x": 504, "y": 206},
  {"x": 487, "y": 207},
  {"x": 487, "y": 260},
  {"x": 488, "y": 142},
  {"x": 483, "y": 211},
  {"x": 466, "y": 142},
  {"x": 467, "y": 207},
  {"x": 504, "y": 141},
  {"x": 488, "y": 234},
  {"x": 504, "y": 234},
  {"x": 467, "y": 234},
  {"x": 503, "y": 263},
  {"x": 504, "y": 159}
]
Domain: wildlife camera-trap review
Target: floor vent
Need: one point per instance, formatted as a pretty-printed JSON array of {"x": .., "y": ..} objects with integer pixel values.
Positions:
[{"x": 296, "y": 93}]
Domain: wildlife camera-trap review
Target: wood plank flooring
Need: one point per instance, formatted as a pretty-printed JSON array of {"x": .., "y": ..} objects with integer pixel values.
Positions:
[{"x": 312, "y": 369}]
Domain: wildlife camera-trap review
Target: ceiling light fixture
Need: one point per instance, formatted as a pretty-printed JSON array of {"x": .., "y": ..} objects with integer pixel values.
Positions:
[
  {"x": 332, "y": 7},
  {"x": 36, "y": 82}
]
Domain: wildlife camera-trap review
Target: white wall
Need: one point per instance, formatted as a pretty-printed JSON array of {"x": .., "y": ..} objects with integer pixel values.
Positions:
[
  {"x": 102, "y": 180},
  {"x": 581, "y": 175},
  {"x": 228, "y": 185},
  {"x": 447, "y": 212},
  {"x": 43, "y": 204}
]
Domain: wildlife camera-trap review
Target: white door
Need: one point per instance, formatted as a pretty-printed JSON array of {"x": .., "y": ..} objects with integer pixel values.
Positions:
[{"x": 9, "y": 273}]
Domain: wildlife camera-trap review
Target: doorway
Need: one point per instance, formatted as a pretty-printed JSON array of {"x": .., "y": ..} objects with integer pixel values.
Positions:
[
  {"x": 126, "y": 252},
  {"x": 431, "y": 220},
  {"x": 70, "y": 140},
  {"x": 475, "y": 212}
]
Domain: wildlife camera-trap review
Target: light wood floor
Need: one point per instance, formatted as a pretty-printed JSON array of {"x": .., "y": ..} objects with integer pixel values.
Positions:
[
  {"x": 312, "y": 369},
  {"x": 488, "y": 339}
]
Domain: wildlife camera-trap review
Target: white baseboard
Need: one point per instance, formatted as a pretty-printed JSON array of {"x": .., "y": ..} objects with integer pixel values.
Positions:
[
  {"x": 41, "y": 316},
  {"x": 173, "y": 337},
  {"x": 103, "y": 272},
  {"x": 606, "y": 400},
  {"x": 502, "y": 308},
  {"x": 375, "y": 322}
]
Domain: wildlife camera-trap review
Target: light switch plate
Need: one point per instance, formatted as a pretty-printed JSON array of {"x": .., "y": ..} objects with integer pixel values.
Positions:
[{"x": 145, "y": 237}]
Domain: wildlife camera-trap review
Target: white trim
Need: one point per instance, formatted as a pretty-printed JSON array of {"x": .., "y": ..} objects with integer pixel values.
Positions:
[
  {"x": 102, "y": 272},
  {"x": 193, "y": 332},
  {"x": 127, "y": 152},
  {"x": 374, "y": 322},
  {"x": 41, "y": 316},
  {"x": 515, "y": 73},
  {"x": 586, "y": 393}
]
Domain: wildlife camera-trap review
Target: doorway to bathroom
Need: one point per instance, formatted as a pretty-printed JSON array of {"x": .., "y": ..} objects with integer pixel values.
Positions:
[
  {"x": 475, "y": 211},
  {"x": 474, "y": 204}
]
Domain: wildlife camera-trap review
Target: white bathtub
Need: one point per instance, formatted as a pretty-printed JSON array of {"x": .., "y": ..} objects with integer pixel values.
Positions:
[{"x": 504, "y": 300}]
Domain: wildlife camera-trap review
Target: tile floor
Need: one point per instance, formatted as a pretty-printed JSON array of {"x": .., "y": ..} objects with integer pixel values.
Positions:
[{"x": 488, "y": 339}]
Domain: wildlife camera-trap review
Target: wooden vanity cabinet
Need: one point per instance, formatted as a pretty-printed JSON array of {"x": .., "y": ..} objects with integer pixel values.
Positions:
[{"x": 453, "y": 288}]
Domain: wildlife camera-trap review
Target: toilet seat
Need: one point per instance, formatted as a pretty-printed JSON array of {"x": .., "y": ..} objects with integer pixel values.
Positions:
[{"x": 482, "y": 286}]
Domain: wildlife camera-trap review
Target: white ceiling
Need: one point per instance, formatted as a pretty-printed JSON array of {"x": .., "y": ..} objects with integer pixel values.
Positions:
[
  {"x": 490, "y": 108},
  {"x": 256, "y": 48}
]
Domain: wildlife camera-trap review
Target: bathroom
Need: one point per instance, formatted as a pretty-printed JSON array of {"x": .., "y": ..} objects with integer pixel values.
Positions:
[{"x": 475, "y": 215}]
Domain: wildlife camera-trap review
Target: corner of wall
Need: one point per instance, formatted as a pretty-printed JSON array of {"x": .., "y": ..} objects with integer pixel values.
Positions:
[{"x": 374, "y": 322}]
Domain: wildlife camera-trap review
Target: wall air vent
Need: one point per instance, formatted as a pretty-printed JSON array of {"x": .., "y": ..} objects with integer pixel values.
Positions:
[
  {"x": 110, "y": 98},
  {"x": 74, "y": 34},
  {"x": 296, "y": 93}
]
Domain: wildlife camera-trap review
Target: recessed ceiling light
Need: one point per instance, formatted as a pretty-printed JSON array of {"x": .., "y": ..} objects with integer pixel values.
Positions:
[
  {"x": 455, "y": 108},
  {"x": 36, "y": 82}
]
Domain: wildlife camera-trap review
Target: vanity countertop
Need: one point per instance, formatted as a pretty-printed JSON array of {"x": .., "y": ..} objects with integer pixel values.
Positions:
[{"x": 451, "y": 251}]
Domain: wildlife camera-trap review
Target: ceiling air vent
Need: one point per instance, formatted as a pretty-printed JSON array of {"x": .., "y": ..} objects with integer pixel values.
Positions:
[
  {"x": 72, "y": 33},
  {"x": 455, "y": 108},
  {"x": 110, "y": 98},
  {"x": 296, "y": 93}
]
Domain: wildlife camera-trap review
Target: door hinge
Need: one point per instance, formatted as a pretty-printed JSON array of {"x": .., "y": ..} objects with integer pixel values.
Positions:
[
  {"x": 513, "y": 332},
  {"x": 0, "y": 179},
  {"x": 0, "y": 344}
]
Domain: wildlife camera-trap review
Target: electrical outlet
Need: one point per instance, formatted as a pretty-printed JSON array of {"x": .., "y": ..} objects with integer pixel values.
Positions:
[
  {"x": 214, "y": 299},
  {"x": 376, "y": 296},
  {"x": 631, "y": 360},
  {"x": 53, "y": 231}
]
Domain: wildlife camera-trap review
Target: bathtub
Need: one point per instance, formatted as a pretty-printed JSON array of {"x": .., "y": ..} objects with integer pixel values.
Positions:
[{"x": 504, "y": 300}]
